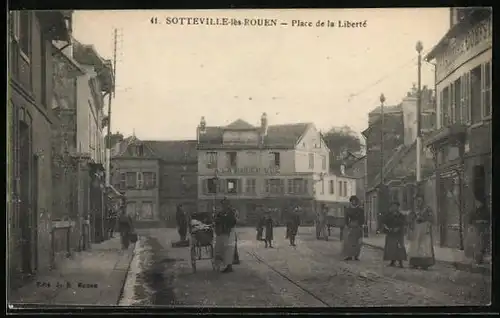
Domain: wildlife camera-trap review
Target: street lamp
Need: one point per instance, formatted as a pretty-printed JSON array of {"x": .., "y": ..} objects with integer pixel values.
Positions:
[
  {"x": 419, "y": 47},
  {"x": 382, "y": 101}
]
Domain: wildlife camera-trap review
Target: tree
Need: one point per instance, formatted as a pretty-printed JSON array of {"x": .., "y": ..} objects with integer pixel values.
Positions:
[{"x": 341, "y": 141}]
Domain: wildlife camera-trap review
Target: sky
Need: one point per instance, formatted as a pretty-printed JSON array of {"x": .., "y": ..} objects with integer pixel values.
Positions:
[{"x": 169, "y": 76}]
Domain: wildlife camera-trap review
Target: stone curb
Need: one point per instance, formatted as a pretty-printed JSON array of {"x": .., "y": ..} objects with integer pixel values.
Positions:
[
  {"x": 457, "y": 265},
  {"x": 124, "y": 279}
]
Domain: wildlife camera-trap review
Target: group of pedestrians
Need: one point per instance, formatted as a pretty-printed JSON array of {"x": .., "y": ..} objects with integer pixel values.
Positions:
[
  {"x": 265, "y": 226},
  {"x": 421, "y": 254}
]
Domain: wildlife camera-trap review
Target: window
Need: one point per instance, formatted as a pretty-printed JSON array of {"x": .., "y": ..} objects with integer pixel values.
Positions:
[
  {"x": 486, "y": 90},
  {"x": 123, "y": 180},
  {"x": 131, "y": 209},
  {"x": 275, "y": 186},
  {"x": 465, "y": 97},
  {"x": 149, "y": 180},
  {"x": 212, "y": 185},
  {"x": 232, "y": 186},
  {"x": 457, "y": 114},
  {"x": 340, "y": 189},
  {"x": 231, "y": 159},
  {"x": 323, "y": 162},
  {"x": 140, "y": 180},
  {"x": 131, "y": 180},
  {"x": 250, "y": 186},
  {"x": 145, "y": 210},
  {"x": 298, "y": 186},
  {"x": 275, "y": 163},
  {"x": 475, "y": 95},
  {"x": 211, "y": 160},
  {"x": 139, "y": 150},
  {"x": 345, "y": 188},
  {"x": 445, "y": 107},
  {"x": 24, "y": 36},
  {"x": 252, "y": 159},
  {"x": 43, "y": 71},
  {"x": 332, "y": 186},
  {"x": 290, "y": 186},
  {"x": 311, "y": 161},
  {"x": 306, "y": 186}
]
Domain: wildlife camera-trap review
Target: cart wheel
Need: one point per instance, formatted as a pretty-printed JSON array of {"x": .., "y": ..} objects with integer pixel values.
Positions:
[{"x": 193, "y": 258}]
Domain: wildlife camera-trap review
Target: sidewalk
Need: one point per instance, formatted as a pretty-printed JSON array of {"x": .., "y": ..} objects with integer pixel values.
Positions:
[
  {"x": 442, "y": 254},
  {"x": 94, "y": 277}
]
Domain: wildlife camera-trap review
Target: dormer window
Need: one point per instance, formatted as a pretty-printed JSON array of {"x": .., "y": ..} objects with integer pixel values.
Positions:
[{"x": 139, "y": 150}]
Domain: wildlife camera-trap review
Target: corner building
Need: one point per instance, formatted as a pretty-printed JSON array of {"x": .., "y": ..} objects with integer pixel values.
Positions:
[
  {"x": 276, "y": 166},
  {"x": 462, "y": 144}
]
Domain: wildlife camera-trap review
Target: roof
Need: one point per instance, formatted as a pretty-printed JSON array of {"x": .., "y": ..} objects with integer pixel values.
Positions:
[
  {"x": 88, "y": 55},
  {"x": 240, "y": 124},
  {"x": 175, "y": 151},
  {"x": 278, "y": 136},
  {"x": 393, "y": 161},
  {"x": 466, "y": 23},
  {"x": 387, "y": 109}
]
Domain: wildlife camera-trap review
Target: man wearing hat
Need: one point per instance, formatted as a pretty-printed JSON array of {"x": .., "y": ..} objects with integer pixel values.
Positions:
[{"x": 354, "y": 221}]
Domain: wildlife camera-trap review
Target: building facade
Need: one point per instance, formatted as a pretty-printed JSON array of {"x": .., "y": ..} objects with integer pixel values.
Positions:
[
  {"x": 399, "y": 138},
  {"x": 276, "y": 166},
  {"x": 30, "y": 117},
  {"x": 462, "y": 143},
  {"x": 155, "y": 177}
]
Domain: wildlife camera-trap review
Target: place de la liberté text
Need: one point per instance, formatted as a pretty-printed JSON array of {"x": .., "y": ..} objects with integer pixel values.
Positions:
[{"x": 258, "y": 22}]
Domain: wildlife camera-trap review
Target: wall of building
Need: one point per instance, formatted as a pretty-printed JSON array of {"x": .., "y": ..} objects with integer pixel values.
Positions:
[
  {"x": 394, "y": 126},
  {"x": 138, "y": 195},
  {"x": 41, "y": 121},
  {"x": 311, "y": 143},
  {"x": 90, "y": 137},
  {"x": 248, "y": 158},
  {"x": 323, "y": 190},
  {"x": 178, "y": 185}
]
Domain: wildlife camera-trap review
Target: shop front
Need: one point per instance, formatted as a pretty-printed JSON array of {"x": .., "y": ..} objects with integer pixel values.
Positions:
[{"x": 448, "y": 148}]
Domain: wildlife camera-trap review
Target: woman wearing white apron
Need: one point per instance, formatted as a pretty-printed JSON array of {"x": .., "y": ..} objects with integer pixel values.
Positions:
[
  {"x": 421, "y": 247},
  {"x": 225, "y": 222}
]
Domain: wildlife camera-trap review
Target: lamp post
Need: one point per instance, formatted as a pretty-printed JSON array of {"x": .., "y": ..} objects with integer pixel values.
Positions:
[
  {"x": 382, "y": 126},
  {"x": 419, "y": 47}
]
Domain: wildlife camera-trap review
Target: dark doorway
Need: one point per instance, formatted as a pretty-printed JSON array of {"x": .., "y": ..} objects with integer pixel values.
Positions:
[
  {"x": 35, "y": 212},
  {"x": 25, "y": 215},
  {"x": 479, "y": 176}
]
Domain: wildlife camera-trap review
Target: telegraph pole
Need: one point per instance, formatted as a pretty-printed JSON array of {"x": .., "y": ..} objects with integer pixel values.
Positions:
[
  {"x": 419, "y": 48},
  {"x": 111, "y": 95}
]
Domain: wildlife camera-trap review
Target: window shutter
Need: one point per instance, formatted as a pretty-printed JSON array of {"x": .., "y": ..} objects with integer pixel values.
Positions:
[
  {"x": 221, "y": 186},
  {"x": 204, "y": 185},
  {"x": 483, "y": 80}
]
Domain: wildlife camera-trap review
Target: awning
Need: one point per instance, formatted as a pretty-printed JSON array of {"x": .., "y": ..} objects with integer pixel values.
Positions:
[{"x": 112, "y": 190}]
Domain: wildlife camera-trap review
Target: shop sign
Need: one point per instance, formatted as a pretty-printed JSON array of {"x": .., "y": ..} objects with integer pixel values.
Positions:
[
  {"x": 247, "y": 171},
  {"x": 464, "y": 47}
]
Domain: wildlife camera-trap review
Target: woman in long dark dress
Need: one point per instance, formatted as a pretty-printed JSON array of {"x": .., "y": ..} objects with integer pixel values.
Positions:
[
  {"x": 268, "y": 226},
  {"x": 477, "y": 239},
  {"x": 260, "y": 227},
  {"x": 354, "y": 221},
  {"x": 126, "y": 227},
  {"x": 394, "y": 224}
]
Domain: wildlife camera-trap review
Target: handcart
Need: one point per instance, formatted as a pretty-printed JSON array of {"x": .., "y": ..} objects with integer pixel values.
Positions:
[{"x": 202, "y": 239}]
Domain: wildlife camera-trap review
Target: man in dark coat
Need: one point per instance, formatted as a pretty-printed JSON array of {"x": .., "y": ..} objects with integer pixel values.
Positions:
[
  {"x": 181, "y": 220},
  {"x": 268, "y": 226},
  {"x": 292, "y": 225},
  {"x": 394, "y": 225}
]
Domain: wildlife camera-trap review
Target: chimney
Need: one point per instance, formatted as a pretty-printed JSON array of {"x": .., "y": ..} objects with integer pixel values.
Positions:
[
  {"x": 203, "y": 125},
  {"x": 263, "y": 124}
]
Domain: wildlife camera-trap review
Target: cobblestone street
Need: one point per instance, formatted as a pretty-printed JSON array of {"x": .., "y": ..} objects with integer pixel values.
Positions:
[{"x": 312, "y": 274}]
